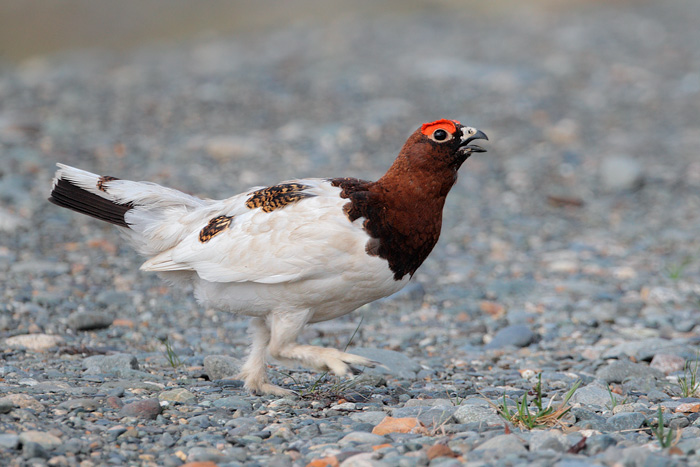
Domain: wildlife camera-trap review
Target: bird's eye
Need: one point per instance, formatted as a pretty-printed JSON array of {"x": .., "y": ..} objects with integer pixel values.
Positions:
[{"x": 440, "y": 135}]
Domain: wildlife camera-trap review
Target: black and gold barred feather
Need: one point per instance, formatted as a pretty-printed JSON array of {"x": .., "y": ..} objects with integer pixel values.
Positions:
[
  {"x": 214, "y": 227},
  {"x": 277, "y": 196}
]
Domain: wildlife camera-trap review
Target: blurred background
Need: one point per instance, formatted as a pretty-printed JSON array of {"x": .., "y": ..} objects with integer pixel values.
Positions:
[
  {"x": 31, "y": 28},
  {"x": 590, "y": 189}
]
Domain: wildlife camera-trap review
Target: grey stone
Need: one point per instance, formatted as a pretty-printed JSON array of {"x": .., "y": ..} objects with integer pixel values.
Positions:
[
  {"x": 475, "y": 413},
  {"x": 361, "y": 437},
  {"x": 428, "y": 403},
  {"x": 234, "y": 403},
  {"x": 9, "y": 441},
  {"x": 110, "y": 364},
  {"x": 678, "y": 422},
  {"x": 621, "y": 173},
  {"x": 6, "y": 405},
  {"x": 576, "y": 463},
  {"x": 516, "y": 335},
  {"x": 221, "y": 366},
  {"x": 44, "y": 439},
  {"x": 390, "y": 362},
  {"x": 599, "y": 443},
  {"x": 554, "y": 440},
  {"x": 588, "y": 419},
  {"x": 429, "y": 416},
  {"x": 689, "y": 446},
  {"x": 116, "y": 431},
  {"x": 204, "y": 454},
  {"x": 619, "y": 371},
  {"x": 372, "y": 416},
  {"x": 308, "y": 431},
  {"x": 88, "y": 404},
  {"x": 445, "y": 462},
  {"x": 626, "y": 421},
  {"x": 644, "y": 384},
  {"x": 89, "y": 320},
  {"x": 505, "y": 444},
  {"x": 593, "y": 395},
  {"x": 32, "y": 450}
]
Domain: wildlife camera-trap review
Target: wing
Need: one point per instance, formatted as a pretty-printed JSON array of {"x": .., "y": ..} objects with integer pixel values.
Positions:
[{"x": 289, "y": 232}]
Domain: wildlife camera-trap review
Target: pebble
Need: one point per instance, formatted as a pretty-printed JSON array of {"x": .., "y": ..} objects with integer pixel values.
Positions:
[
  {"x": 428, "y": 416},
  {"x": 89, "y": 320},
  {"x": 110, "y": 364},
  {"x": 9, "y": 440},
  {"x": 626, "y": 421},
  {"x": 516, "y": 335},
  {"x": 504, "y": 444},
  {"x": 667, "y": 363},
  {"x": 234, "y": 403},
  {"x": 148, "y": 408},
  {"x": 621, "y": 173},
  {"x": 177, "y": 395},
  {"x": 477, "y": 414},
  {"x": 88, "y": 404},
  {"x": 619, "y": 371},
  {"x": 33, "y": 342},
  {"x": 390, "y": 362},
  {"x": 399, "y": 425},
  {"x": 25, "y": 401},
  {"x": 593, "y": 395},
  {"x": 42, "y": 438},
  {"x": 599, "y": 443},
  {"x": 6, "y": 405},
  {"x": 204, "y": 454},
  {"x": 554, "y": 440},
  {"x": 221, "y": 366},
  {"x": 361, "y": 437}
]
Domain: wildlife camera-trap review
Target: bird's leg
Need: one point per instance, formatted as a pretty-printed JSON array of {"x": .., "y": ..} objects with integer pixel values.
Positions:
[
  {"x": 254, "y": 371},
  {"x": 286, "y": 326}
]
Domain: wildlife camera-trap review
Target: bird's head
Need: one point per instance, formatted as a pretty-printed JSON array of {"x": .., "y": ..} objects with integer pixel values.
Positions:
[
  {"x": 440, "y": 144},
  {"x": 450, "y": 136},
  {"x": 430, "y": 158}
]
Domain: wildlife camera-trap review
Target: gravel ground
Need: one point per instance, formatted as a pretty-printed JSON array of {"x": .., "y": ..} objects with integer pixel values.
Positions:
[{"x": 570, "y": 251}]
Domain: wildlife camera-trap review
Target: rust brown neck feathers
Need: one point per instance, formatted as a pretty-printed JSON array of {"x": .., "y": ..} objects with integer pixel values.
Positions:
[{"x": 403, "y": 209}]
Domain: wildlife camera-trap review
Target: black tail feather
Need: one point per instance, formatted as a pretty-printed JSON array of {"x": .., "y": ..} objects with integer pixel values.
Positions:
[{"x": 68, "y": 195}]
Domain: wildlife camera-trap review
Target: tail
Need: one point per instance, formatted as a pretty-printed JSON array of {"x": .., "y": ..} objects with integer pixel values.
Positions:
[
  {"x": 148, "y": 212},
  {"x": 86, "y": 193}
]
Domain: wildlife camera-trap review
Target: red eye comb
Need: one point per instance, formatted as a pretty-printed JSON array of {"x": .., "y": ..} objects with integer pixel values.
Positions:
[{"x": 447, "y": 125}]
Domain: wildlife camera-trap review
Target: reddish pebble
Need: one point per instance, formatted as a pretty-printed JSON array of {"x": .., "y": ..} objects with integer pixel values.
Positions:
[
  {"x": 668, "y": 363},
  {"x": 440, "y": 450},
  {"x": 114, "y": 402},
  {"x": 148, "y": 408}
]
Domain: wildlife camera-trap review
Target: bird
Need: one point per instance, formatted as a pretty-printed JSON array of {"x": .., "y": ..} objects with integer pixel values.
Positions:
[{"x": 291, "y": 254}]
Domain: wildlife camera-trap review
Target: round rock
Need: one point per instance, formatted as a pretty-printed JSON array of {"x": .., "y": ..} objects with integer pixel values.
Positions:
[
  {"x": 517, "y": 335},
  {"x": 148, "y": 408},
  {"x": 621, "y": 173},
  {"x": 221, "y": 366}
]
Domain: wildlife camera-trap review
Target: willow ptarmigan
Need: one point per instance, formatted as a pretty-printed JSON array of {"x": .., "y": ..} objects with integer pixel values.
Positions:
[{"x": 291, "y": 254}]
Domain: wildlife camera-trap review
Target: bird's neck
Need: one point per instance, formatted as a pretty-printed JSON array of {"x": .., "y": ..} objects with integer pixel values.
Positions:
[{"x": 403, "y": 211}]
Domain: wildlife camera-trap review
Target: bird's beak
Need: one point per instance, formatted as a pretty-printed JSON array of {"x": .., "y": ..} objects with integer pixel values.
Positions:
[{"x": 469, "y": 135}]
